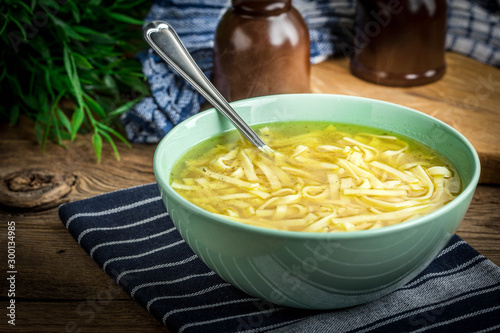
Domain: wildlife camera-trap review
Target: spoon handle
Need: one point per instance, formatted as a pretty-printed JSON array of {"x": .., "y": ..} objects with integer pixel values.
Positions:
[{"x": 165, "y": 41}]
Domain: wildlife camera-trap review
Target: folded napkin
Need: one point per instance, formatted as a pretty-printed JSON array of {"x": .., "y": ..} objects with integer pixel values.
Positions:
[
  {"x": 473, "y": 30},
  {"x": 130, "y": 235}
]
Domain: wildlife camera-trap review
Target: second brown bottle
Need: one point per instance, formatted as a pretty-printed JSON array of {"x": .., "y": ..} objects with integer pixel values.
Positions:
[{"x": 261, "y": 48}]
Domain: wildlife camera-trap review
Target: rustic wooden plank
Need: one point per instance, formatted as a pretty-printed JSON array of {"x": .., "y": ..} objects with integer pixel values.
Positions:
[
  {"x": 56, "y": 276},
  {"x": 481, "y": 225}
]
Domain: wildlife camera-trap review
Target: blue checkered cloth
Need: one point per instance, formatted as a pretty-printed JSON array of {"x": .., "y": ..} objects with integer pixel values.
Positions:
[
  {"x": 473, "y": 30},
  {"x": 132, "y": 238}
]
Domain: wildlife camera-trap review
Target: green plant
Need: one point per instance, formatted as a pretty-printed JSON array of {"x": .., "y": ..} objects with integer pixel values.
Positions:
[{"x": 69, "y": 66}]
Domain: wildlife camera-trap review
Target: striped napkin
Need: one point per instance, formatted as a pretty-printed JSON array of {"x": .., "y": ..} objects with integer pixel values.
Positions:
[
  {"x": 473, "y": 30},
  {"x": 130, "y": 235}
]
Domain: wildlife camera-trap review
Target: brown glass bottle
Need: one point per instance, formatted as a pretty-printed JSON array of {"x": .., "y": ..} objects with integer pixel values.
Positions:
[
  {"x": 399, "y": 42},
  {"x": 261, "y": 48}
]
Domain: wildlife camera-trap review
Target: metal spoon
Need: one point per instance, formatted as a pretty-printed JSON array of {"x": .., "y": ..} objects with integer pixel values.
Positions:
[{"x": 165, "y": 41}]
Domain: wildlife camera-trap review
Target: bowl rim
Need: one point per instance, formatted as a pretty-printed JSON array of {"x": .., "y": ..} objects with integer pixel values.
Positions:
[{"x": 358, "y": 234}]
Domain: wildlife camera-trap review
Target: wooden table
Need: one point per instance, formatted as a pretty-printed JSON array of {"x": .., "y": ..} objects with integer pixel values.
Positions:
[{"x": 59, "y": 288}]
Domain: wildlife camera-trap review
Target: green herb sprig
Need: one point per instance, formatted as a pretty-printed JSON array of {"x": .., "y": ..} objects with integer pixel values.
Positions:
[{"x": 69, "y": 66}]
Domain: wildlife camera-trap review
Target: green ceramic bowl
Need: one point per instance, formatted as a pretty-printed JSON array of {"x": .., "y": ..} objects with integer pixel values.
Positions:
[{"x": 317, "y": 270}]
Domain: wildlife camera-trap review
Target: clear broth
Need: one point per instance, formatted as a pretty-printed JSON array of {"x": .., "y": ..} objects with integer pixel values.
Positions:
[{"x": 325, "y": 177}]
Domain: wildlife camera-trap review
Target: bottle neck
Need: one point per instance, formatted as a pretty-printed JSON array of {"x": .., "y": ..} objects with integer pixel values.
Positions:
[{"x": 261, "y": 7}]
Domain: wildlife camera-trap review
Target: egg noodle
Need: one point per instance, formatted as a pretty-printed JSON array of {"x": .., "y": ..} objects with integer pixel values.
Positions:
[{"x": 325, "y": 180}]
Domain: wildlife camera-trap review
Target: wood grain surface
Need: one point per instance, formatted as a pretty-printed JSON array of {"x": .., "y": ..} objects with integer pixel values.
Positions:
[{"x": 59, "y": 288}]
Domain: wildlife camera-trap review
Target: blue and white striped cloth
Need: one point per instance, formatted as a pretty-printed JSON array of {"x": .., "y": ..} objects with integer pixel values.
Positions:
[
  {"x": 130, "y": 235},
  {"x": 473, "y": 30}
]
